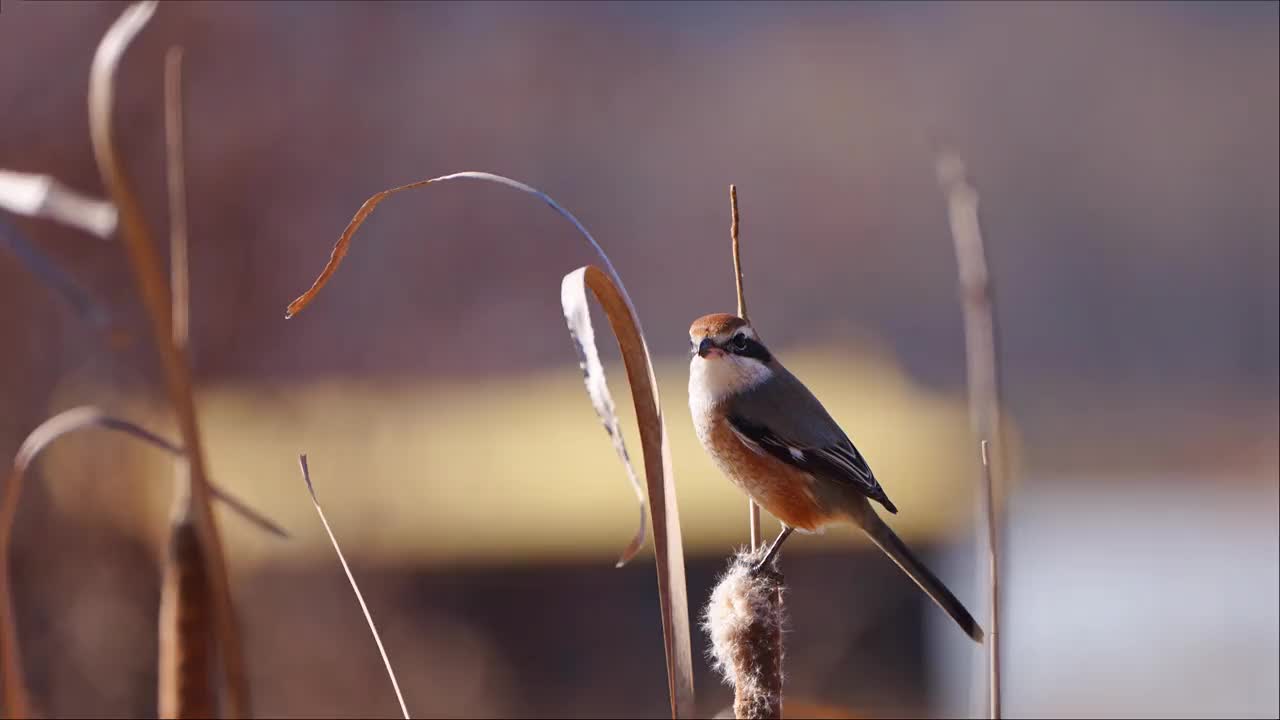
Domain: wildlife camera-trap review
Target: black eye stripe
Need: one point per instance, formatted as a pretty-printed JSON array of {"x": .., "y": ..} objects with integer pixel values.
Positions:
[{"x": 753, "y": 349}]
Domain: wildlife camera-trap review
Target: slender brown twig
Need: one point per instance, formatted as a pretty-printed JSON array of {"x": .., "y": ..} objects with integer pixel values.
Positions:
[
  {"x": 147, "y": 273},
  {"x": 753, "y": 510},
  {"x": 386, "y": 662},
  {"x": 184, "y": 677},
  {"x": 984, "y": 384}
]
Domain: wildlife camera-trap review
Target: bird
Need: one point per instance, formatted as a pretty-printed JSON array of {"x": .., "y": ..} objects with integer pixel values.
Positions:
[{"x": 775, "y": 441}]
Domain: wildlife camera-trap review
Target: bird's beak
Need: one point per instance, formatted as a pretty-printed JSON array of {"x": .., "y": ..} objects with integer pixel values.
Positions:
[{"x": 705, "y": 347}]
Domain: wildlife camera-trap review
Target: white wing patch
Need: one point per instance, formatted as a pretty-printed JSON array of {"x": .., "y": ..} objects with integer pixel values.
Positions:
[
  {"x": 797, "y": 455},
  {"x": 847, "y": 459},
  {"x": 755, "y": 446}
]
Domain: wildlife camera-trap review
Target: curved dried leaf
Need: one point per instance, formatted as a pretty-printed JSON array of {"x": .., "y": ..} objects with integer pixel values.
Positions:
[
  {"x": 666, "y": 520},
  {"x": 668, "y": 545},
  {"x": 574, "y": 301},
  {"x": 16, "y": 700},
  {"x": 146, "y": 268},
  {"x": 386, "y": 662},
  {"x": 344, "y": 243},
  {"x": 41, "y": 196}
]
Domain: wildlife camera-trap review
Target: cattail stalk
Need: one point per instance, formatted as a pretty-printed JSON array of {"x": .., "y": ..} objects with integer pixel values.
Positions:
[{"x": 745, "y": 619}]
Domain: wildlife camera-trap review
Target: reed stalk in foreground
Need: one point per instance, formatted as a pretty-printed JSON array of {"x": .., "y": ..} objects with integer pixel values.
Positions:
[
  {"x": 982, "y": 360},
  {"x": 146, "y": 269},
  {"x": 184, "y": 677}
]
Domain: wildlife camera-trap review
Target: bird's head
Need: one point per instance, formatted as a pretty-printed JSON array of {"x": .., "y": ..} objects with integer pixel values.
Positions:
[{"x": 728, "y": 356}]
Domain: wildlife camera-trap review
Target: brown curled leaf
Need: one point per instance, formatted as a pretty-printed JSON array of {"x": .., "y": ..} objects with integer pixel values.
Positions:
[
  {"x": 16, "y": 700},
  {"x": 668, "y": 546}
]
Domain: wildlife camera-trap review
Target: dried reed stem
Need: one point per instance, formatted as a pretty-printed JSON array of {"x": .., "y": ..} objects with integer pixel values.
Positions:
[
  {"x": 984, "y": 384},
  {"x": 306, "y": 476},
  {"x": 184, "y": 678},
  {"x": 753, "y": 510},
  {"x": 146, "y": 269},
  {"x": 745, "y": 619},
  {"x": 176, "y": 174}
]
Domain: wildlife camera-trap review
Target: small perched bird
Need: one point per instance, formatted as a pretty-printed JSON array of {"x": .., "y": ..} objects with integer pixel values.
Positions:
[{"x": 776, "y": 442}]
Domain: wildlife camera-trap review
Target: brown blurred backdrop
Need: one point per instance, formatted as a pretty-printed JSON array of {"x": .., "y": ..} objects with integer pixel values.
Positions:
[{"x": 1127, "y": 160}]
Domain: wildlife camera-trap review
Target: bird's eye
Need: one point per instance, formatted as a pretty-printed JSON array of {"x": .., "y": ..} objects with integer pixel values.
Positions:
[{"x": 739, "y": 342}]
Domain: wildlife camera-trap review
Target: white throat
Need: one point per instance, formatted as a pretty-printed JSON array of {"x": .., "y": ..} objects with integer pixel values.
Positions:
[{"x": 711, "y": 380}]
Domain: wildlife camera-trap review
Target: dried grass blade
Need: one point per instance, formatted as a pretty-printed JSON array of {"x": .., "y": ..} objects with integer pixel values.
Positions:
[
  {"x": 344, "y": 241},
  {"x": 576, "y": 313},
  {"x": 16, "y": 700},
  {"x": 668, "y": 545},
  {"x": 306, "y": 476},
  {"x": 184, "y": 678},
  {"x": 41, "y": 196},
  {"x": 151, "y": 282}
]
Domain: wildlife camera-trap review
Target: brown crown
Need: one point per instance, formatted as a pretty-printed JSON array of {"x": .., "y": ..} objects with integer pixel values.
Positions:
[{"x": 715, "y": 325}]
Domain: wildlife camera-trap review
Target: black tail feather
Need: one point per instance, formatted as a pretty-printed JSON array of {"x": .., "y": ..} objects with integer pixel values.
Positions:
[{"x": 892, "y": 545}]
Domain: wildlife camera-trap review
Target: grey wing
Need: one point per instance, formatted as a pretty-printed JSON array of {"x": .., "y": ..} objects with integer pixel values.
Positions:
[{"x": 782, "y": 418}]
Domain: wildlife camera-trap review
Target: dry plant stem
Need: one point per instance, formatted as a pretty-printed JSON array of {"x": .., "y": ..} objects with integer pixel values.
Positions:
[
  {"x": 176, "y": 174},
  {"x": 745, "y": 618},
  {"x": 663, "y": 506},
  {"x": 306, "y": 476},
  {"x": 150, "y": 279},
  {"x": 753, "y": 510},
  {"x": 184, "y": 677},
  {"x": 984, "y": 383},
  {"x": 16, "y": 700}
]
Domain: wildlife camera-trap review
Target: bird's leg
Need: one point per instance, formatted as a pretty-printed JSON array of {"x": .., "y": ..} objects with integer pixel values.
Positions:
[{"x": 773, "y": 549}]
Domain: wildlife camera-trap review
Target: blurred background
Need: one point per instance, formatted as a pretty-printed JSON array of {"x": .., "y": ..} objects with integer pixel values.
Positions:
[{"x": 1126, "y": 155}]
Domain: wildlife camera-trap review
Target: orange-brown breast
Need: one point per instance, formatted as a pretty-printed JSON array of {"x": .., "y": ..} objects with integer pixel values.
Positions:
[{"x": 782, "y": 490}]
